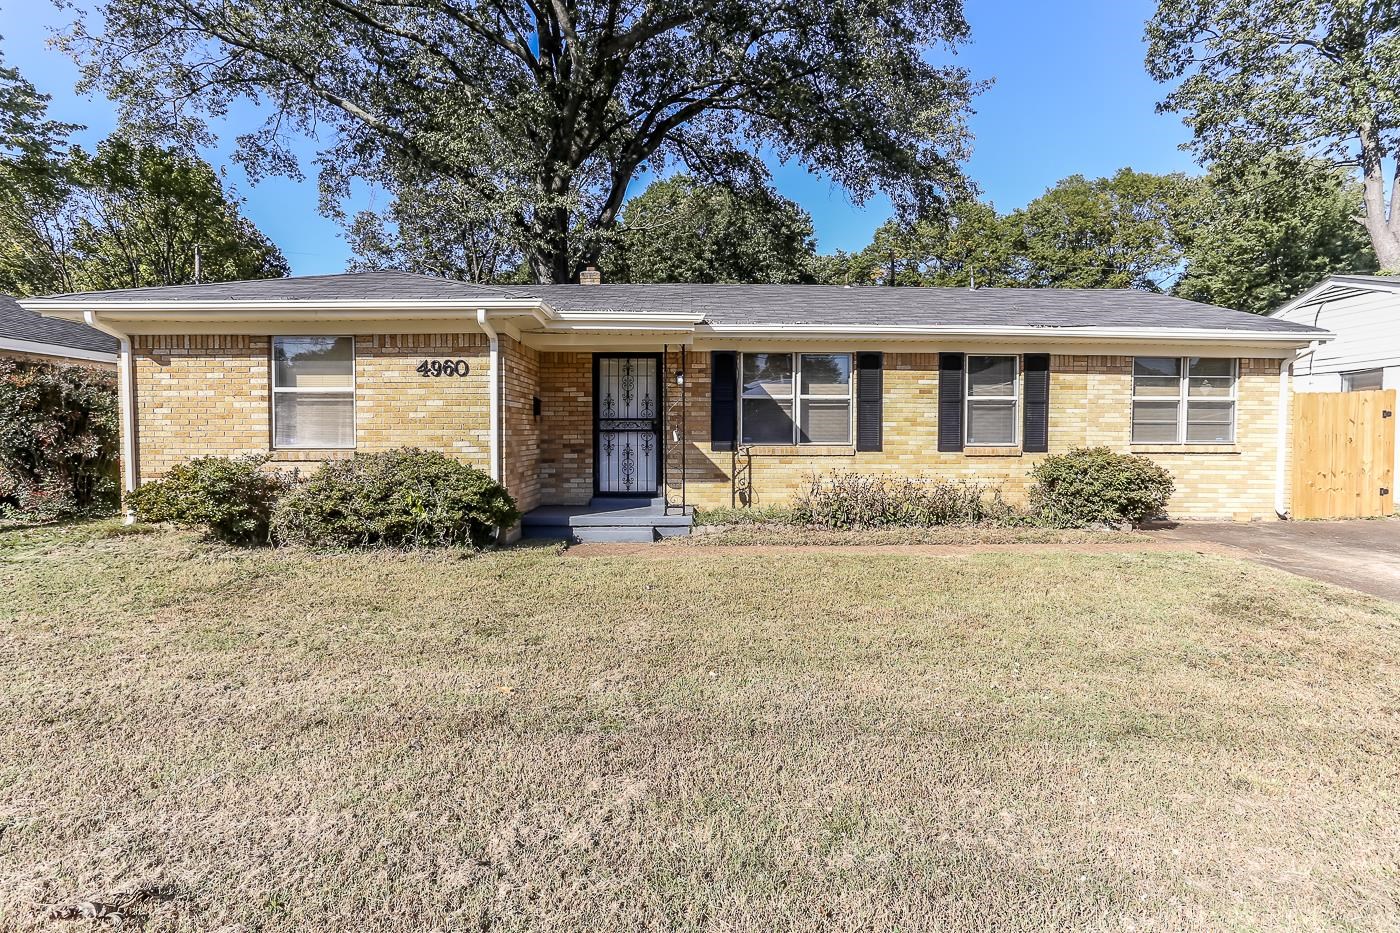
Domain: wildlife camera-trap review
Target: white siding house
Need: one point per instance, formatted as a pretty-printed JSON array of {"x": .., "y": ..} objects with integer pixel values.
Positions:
[{"x": 1364, "y": 312}]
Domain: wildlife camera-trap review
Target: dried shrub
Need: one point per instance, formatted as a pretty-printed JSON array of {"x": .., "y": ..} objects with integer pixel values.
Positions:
[
  {"x": 58, "y": 440},
  {"x": 856, "y": 500}
]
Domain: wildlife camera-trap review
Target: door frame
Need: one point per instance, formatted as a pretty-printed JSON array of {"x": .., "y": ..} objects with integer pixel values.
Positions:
[{"x": 660, "y": 489}]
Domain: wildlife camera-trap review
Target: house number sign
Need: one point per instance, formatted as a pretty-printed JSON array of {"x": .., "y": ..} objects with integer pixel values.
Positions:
[{"x": 431, "y": 368}]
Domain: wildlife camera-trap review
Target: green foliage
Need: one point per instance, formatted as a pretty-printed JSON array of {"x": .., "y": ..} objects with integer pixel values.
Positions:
[
  {"x": 1095, "y": 484},
  {"x": 1253, "y": 78},
  {"x": 682, "y": 230},
  {"x": 58, "y": 439},
  {"x": 400, "y": 498},
  {"x": 966, "y": 243},
  {"x": 1268, "y": 233},
  {"x": 855, "y": 500},
  {"x": 124, "y": 216},
  {"x": 233, "y": 497},
  {"x": 545, "y": 113}
]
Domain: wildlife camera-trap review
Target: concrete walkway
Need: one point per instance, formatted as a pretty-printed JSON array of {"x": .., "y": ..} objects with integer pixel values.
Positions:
[{"x": 1362, "y": 555}]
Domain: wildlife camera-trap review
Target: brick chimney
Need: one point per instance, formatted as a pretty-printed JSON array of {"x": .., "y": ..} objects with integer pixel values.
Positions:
[{"x": 590, "y": 276}]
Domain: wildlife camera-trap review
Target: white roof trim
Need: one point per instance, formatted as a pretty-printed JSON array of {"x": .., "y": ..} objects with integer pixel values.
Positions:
[
  {"x": 1047, "y": 332},
  {"x": 1318, "y": 294},
  {"x": 53, "y": 349}
]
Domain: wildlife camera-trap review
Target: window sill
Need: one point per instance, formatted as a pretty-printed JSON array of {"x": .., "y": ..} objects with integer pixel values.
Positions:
[
  {"x": 302, "y": 454},
  {"x": 1185, "y": 449},
  {"x": 799, "y": 450},
  {"x": 991, "y": 451}
]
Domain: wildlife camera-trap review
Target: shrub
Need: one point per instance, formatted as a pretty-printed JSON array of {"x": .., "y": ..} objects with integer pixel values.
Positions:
[
  {"x": 854, "y": 500},
  {"x": 58, "y": 440},
  {"x": 231, "y": 496},
  {"x": 1097, "y": 485},
  {"x": 405, "y": 497}
]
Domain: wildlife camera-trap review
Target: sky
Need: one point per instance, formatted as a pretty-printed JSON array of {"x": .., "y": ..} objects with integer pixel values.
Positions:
[{"x": 1070, "y": 96}]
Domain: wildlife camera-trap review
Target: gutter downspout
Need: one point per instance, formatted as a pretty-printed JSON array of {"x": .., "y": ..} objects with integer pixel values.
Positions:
[
  {"x": 1285, "y": 413},
  {"x": 495, "y": 432},
  {"x": 126, "y": 403}
]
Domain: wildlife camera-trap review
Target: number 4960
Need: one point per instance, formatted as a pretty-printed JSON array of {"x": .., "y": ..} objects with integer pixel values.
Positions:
[{"x": 442, "y": 368}]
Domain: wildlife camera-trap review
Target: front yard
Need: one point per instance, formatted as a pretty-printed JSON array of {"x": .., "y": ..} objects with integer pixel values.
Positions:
[{"x": 690, "y": 738}]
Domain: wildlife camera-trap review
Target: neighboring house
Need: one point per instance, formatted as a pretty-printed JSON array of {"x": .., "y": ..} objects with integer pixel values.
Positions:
[
  {"x": 1364, "y": 313},
  {"x": 704, "y": 394},
  {"x": 26, "y": 335}
]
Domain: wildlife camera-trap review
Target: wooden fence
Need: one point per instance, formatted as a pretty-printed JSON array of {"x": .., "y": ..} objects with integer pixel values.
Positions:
[{"x": 1343, "y": 454}]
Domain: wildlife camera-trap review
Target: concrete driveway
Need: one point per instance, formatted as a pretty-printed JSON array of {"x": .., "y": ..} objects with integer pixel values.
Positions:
[{"x": 1362, "y": 555}]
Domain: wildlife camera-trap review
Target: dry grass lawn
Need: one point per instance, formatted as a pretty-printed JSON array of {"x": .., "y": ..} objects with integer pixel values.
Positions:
[{"x": 692, "y": 740}]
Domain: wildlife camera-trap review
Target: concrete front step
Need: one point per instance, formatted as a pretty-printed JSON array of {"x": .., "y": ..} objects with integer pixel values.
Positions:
[{"x": 605, "y": 519}]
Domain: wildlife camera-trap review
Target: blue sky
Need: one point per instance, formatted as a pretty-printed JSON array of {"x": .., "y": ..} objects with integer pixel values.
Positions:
[{"x": 1071, "y": 95}]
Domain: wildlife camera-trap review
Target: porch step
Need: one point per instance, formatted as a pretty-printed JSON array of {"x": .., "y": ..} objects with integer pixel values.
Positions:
[{"x": 605, "y": 519}]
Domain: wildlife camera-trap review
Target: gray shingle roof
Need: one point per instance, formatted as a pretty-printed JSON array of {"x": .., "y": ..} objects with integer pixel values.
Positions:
[
  {"x": 19, "y": 324},
  {"x": 761, "y": 304}
]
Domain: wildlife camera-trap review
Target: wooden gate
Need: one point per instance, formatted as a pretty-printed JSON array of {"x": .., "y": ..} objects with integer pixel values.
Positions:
[{"x": 1343, "y": 454}]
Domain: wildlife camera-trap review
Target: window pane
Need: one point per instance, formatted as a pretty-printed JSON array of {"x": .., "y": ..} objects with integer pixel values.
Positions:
[
  {"x": 991, "y": 376},
  {"x": 768, "y": 374},
  {"x": 321, "y": 419},
  {"x": 1210, "y": 422},
  {"x": 826, "y": 421},
  {"x": 826, "y": 374},
  {"x": 313, "y": 362},
  {"x": 1157, "y": 366},
  {"x": 767, "y": 421},
  {"x": 1155, "y": 422},
  {"x": 1157, "y": 386},
  {"x": 1363, "y": 380},
  {"x": 991, "y": 423},
  {"x": 1217, "y": 368}
]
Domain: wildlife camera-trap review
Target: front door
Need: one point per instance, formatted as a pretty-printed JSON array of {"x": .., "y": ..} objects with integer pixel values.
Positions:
[{"x": 627, "y": 424}]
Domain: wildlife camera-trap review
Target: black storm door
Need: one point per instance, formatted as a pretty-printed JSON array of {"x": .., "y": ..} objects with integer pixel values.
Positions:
[{"x": 627, "y": 424}]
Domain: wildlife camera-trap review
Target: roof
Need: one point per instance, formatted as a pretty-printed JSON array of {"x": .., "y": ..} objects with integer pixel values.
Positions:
[
  {"x": 1338, "y": 287},
  {"x": 19, "y": 324},
  {"x": 737, "y": 305}
]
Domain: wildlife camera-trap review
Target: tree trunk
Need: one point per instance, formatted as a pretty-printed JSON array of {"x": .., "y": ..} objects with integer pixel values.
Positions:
[{"x": 1382, "y": 225}]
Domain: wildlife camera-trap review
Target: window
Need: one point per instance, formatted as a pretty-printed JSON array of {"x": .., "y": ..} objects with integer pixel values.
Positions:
[
  {"x": 795, "y": 398},
  {"x": 992, "y": 401},
  {"x": 313, "y": 391},
  {"x": 1183, "y": 400},
  {"x": 1363, "y": 380}
]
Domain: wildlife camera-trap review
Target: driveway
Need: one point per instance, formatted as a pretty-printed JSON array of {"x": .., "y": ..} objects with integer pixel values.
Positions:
[{"x": 1363, "y": 555}]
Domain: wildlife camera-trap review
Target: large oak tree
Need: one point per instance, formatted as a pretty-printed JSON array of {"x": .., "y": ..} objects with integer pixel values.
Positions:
[
  {"x": 546, "y": 110},
  {"x": 1320, "y": 78}
]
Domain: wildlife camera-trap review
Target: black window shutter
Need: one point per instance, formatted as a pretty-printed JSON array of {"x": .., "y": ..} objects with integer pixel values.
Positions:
[
  {"x": 724, "y": 399},
  {"x": 870, "y": 400},
  {"x": 950, "y": 402},
  {"x": 1036, "y": 436}
]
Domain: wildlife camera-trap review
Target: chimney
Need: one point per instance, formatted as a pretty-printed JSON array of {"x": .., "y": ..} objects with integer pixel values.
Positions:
[{"x": 590, "y": 276}]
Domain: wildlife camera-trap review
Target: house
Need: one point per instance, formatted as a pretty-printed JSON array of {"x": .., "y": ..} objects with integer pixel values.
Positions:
[
  {"x": 29, "y": 336},
  {"x": 674, "y": 396}
]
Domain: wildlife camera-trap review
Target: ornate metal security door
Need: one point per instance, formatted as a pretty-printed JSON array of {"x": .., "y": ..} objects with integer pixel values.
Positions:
[{"x": 627, "y": 407}]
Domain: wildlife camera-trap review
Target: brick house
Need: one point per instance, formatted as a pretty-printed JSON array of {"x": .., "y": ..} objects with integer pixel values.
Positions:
[{"x": 675, "y": 396}]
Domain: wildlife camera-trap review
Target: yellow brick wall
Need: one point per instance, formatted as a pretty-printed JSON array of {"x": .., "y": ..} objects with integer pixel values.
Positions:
[
  {"x": 520, "y": 429},
  {"x": 212, "y": 395},
  {"x": 566, "y": 428},
  {"x": 1090, "y": 405}
]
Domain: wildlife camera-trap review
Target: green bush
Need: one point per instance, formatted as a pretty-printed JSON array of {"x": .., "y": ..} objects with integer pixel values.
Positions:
[
  {"x": 231, "y": 496},
  {"x": 58, "y": 440},
  {"x": 1095, "y": 484},
  {"x": 854, "y": 500},
  {"x": 405, "y": 497}
]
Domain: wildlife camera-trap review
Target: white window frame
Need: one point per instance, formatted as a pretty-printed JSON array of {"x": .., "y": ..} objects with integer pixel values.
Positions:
[
  {"x": 314, "y": 390},
  {"x": 798, "y": 399},
  {"x": 1347, "y": 376},
  {"x": 1183, "y": 401},
  {"x": 1014, "y": 397}
]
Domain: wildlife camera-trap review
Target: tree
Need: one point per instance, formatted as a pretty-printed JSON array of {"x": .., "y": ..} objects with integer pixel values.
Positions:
[
  {"x": 964, "y": 245},
  {"x": 125, "y": 216},
  {"x": 1263, "y": 236},
  {"x": 1319, "y": 78},
  {"x": 545, "y": 112},
  {"x": 1118, "y": 232},
  {"x": 682, "y": 230},
  {"x": 26, "y": 132}
]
